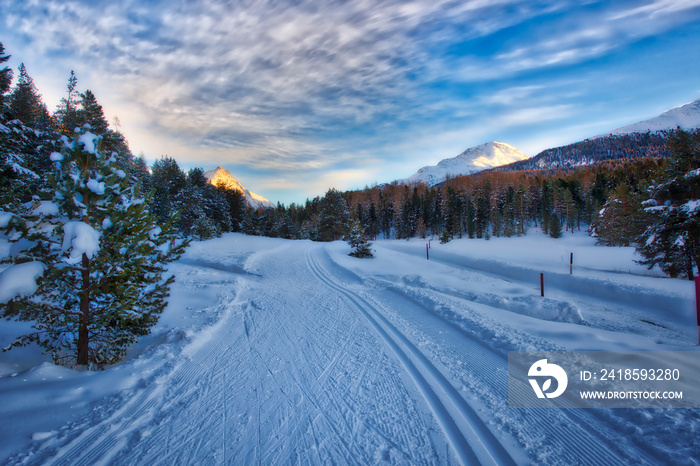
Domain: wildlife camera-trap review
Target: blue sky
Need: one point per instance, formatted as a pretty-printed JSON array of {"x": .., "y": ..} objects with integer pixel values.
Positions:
[{"x": 296, "y": 96}]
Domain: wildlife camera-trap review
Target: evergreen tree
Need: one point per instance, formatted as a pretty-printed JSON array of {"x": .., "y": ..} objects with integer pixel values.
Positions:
[
  {"x": 5, "y": 78},
  {"x": 554, "y": 226},
  {"x": 334, "y": 216},
  {"x": 470, "y": 212},
  {"x": 250, "y": 224},
  {"x": 168, "y": 180},
  {"x": 26, "y": 104},
  {"x": 103, "y": 257},
  {"x": 90, "y": 112},
  {"x": 24, "y": 162},
  {"x": 188, "y": 202},
  {"x": 66, "y": 114},
  {"x": 672, "y": 239},
  {"x": 481, "y": 218},
  {"x": 236, "y": 205},
  {"x": 25, "y": 141},
  {"x": 620, "y": 222},
  {"x": 361, "y": 248}
]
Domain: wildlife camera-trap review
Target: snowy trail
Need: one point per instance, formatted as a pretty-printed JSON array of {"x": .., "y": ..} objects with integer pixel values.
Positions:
[
  {"x": 563, "y": 436},
  {"x": 468, "y": 435},
  {"x": 290, "y": 374},
  {"x": 317, "y": 358},
  {"x": 572, "y": 436}
]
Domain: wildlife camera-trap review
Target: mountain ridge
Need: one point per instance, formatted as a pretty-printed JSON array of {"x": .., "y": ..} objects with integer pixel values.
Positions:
[
  {"x": 475, "y": 159},
  {"x": 685, "y": 117}
]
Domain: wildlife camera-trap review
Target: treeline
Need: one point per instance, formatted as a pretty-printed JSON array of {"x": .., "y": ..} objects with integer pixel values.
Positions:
[
  {"x": 476, "y": 206},
  {"x": 651, "y": 202},
  {"x": 29, "y": 134}
]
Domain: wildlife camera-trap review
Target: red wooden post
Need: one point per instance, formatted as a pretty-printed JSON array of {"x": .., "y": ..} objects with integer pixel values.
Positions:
[{"x": 697, "y": 304}]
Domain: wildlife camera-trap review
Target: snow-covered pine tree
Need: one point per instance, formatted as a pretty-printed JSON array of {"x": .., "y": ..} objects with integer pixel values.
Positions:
[
  {"x": 361, "y": 248},
  {"x": 24, "y": 149},
  {"x": 672, "y": 239},
  {"x": 104, "y": 257}
]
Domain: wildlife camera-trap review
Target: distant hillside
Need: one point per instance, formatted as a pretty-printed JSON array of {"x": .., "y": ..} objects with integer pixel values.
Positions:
[
  {"x": 643, "y": 139},
  {"x": 590, "y": 151}
]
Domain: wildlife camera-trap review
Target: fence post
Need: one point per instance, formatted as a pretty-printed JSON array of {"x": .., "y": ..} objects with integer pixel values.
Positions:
[
  {"x": 427, "y": 252},
  {"x": 541, "y": 284},
  {"x": 571, "y": 264}
]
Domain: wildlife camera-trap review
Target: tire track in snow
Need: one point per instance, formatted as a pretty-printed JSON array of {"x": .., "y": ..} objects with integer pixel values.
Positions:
[{"x": 469, "y": 437}]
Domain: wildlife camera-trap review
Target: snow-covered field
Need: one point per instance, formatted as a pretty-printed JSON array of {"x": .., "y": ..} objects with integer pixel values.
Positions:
[{"x": 287, "y": 352}]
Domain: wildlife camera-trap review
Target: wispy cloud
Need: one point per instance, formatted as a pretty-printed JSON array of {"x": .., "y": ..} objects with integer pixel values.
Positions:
[
  {"x": 284, "y": 87},
  {"x": 656, "y": 8}
]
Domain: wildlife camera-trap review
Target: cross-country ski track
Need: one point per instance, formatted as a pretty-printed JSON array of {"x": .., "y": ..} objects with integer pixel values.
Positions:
[{"x": 305, "y": 361}]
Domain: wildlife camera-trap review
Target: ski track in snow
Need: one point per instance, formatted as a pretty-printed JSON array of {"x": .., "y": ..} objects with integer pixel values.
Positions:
[
  {"x": 288, "y": 375},
  {"x": 333, "y": 367},
  {"x": 468, "y": 435},
  {"x": 563, "y": 436}
]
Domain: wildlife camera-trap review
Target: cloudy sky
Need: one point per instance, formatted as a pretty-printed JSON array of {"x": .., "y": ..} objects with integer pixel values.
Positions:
[{"x": 296, "y": 96}]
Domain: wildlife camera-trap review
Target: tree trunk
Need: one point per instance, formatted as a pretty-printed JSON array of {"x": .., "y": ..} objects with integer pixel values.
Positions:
[{"x": 83, "y": 334}]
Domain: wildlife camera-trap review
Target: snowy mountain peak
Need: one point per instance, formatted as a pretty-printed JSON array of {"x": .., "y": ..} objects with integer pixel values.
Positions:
[
  {"x": 489, "y": 155},
  {"x": 686, "y": 116},
  {"x": 222, "y": 177}
]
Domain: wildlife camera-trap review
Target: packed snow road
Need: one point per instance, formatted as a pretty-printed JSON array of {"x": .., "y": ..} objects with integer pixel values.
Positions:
[{"x": 280, "y": 352}]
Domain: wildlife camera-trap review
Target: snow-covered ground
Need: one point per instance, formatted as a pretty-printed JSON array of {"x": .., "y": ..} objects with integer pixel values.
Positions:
[{"x": 287, "y": 352}]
